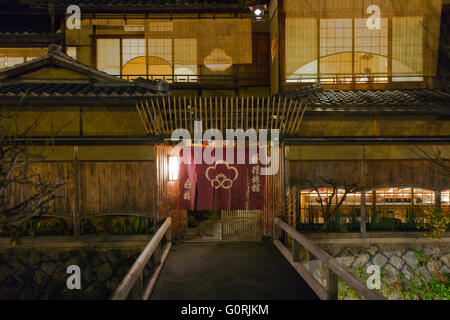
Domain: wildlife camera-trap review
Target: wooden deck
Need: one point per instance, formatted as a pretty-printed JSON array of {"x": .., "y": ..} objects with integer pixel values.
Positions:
[{"x": 235, "y": 271}]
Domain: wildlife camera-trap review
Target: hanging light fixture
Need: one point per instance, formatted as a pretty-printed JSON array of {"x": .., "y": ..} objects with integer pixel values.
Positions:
[{"x": 258, "y": 8}]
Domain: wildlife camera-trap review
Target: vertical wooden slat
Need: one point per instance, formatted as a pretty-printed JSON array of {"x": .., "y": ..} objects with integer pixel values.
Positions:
[
  {"x": 190, "y": 115},
  {"x": 278, "y": 113},
  {"x": 200, "y": 103},
  {"x": 76, "y": 200},
  {"x": 175, "y": 112},
  {"x": 332, "y": 283},
  {"x": 252, "y": 104},
  {"x": 295, "y": 113},
  {"x": 282, "y": 117},
  {"x": 272, "y": 113},
  {"x": 231, "y": 112},
  {"x": 242, "y": 113},
  {"x": 195, "y": 109},
  {"x": 221, "y": 114},
  {"x": 257, "y": 115},
  {"x": 185, "y": 114},
  {"x": 217, "y": 118},
  {"x": 157, "y": 121},
  {"x": 165, "y": 125},
  {"x": 211, "y": 116},
  {"x": 247, "y": 114},
  {"x": 144, "y": 118},
  {"x": 170, "y": 126},
  {"x": 297, "y": 128},
  {"x": 236, "y": 103},
  {"x": 287, "y": 117},
  {"x": 226, "y": 113}
]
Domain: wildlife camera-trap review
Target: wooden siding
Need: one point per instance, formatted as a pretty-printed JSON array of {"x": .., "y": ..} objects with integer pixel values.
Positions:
[
  {"x": 51, "y": 172},
  {"x": 117, "y": 187},
  {"x": 104, "y": 188},
  {"x": 379, "y": 173}
]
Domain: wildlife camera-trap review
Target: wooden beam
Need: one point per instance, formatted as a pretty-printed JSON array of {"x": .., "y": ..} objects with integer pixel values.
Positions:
[{"x": 76, "y": 198}]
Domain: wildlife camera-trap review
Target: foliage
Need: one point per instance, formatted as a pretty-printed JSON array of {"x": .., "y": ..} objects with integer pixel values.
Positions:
[
  {"x": 434, "y": 222},
  {"x": 438, "y": 288},
  {"x": 416, "y": 287},
  {"x": 44, "y": 226},
  {"x": 117, "y": 225},
  {"x": 39, "y": 226},
  {"x": 15, "y": 171},
  {"x": 331, "y": 204}
]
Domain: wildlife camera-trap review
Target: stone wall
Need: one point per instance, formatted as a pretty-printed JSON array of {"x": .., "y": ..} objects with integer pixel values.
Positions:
[
  {"x": 400, "y": 264},
  {"x": 40, "y": 272}
]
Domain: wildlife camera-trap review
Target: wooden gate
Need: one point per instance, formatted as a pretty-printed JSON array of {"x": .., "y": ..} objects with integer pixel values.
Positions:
[{"x": 241, "y": 225}]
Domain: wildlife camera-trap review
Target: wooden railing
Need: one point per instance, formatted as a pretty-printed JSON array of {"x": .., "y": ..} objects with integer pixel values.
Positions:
[
  {"x": 134, "y": 280},
  {"x": 299, "y": 244}
]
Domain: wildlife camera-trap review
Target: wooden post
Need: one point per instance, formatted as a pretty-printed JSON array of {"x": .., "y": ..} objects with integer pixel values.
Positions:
[
  {"x": 157, "y": 254},
  {"x": 299, "y": 253},
  {"x": 138, "y": 288},
  {"x": 276, "y": 231},
  {"x": 363, "y": 212},
  {"x": 332, "y": 292},
  {"x": 363, "y": 226},
  {"x": 438, "y": 199},
  {"x": 76, "y": 205},
  {"x": 169, "y": 234}
]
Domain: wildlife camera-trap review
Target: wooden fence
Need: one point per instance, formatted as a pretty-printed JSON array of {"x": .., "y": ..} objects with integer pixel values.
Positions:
[
  {"x": 241, "y": 225},
  {"x": 335, "y": 270},
  {"x": 134, "y": 279},
  {"x": 96, "y": 188}
]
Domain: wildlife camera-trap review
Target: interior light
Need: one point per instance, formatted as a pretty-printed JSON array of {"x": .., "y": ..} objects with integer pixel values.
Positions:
[
  {"x": 174, "y": 168},
  {"x": 258, "y": 10}
]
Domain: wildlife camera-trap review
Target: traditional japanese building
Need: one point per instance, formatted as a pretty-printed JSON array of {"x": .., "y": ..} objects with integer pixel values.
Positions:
[{"x": 357, "y": 99}]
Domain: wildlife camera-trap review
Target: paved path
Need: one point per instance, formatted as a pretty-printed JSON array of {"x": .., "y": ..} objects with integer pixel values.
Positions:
[{"x": 229, "y": 271}]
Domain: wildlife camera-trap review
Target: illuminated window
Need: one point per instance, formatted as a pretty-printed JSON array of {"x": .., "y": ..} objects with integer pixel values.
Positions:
[
  {"x": 71, "y": 52},
  {"x": 445, "y": 198},
  {"x": 336, "y": 50},
  {"x": 351, "y": 52},
  {"x": 397, "y": 203},
  {"x": 156, "y": 60},
  {"x": 108, "y": 56},
  {"x": 371, "y": 51},
  {"x": 12, "y": 56},
  {"x": 407, "y": 48},
  {"x": 134, "y": 28}
]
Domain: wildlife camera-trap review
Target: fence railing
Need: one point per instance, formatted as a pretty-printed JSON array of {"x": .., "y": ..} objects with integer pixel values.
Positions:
[
  {"x": 183, "y": 78},
  {"x": 134, "y": 280},
  {"x": 299, "y": 244},
  {"x": 204, "y": 79}
]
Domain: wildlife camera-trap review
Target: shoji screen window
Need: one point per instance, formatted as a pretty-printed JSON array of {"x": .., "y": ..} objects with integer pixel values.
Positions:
[
  {"x": 336, "y": 50},
  {"x": 108, "y": 56},
  {"x": 134, "y": 59},
  {"x": 371, "y": 52}
]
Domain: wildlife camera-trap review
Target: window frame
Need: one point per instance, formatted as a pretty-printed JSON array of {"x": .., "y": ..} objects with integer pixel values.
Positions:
[
  {"x": 354, "y": 76},
  {"x": 140, "y": 37}
]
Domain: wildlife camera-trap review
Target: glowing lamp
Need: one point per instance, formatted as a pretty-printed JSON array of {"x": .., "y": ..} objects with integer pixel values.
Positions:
[
  {"x": 258, "y": 11},
  {"x": 174, "y": 168}
]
